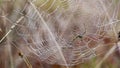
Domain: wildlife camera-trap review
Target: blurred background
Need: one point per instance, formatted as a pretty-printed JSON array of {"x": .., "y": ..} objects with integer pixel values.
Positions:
[{"x": 59, "y": 33}]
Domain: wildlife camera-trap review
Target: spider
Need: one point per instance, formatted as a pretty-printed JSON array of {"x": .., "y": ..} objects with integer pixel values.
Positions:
[{"x": 80, "y": 36}]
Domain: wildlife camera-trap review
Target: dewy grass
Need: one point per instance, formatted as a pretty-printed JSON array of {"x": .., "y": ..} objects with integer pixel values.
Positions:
[{"x": 51, "y": 34}]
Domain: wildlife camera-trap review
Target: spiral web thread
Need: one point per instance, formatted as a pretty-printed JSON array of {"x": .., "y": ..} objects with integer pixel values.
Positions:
[{"x": 52, "y": 41}]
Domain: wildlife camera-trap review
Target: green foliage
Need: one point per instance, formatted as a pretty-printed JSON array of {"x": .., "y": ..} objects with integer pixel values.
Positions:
[
  {"x": 0, "y": 2},
  {"x": 51, "y": 5}
]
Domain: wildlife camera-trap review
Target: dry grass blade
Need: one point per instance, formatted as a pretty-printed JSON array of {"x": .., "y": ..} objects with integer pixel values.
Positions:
[
  {"x": 25, "y": 59},
  {"x": 12, "y": 27}
]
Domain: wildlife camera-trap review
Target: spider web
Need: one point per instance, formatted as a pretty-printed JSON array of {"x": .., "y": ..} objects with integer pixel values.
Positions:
[{"x": 48, "y": 31}]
